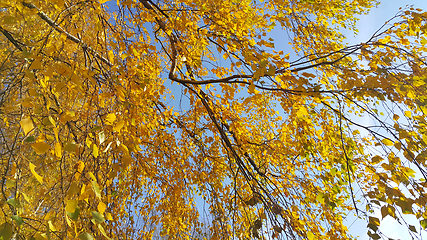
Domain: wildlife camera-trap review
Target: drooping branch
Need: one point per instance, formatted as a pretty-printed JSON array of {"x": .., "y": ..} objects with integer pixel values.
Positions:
[
  {"x": 11, "y": 38},
  {"x": 59, "y": 29}
]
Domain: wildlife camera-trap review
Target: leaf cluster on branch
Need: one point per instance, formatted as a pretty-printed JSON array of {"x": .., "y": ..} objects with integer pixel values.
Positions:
[{"x": 141, "y": 119}]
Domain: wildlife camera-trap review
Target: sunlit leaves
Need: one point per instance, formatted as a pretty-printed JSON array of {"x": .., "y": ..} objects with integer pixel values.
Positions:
[
  {"x": 27, "y": 125},
  {"x": 35, "y": 174},
  {"x": 114, "y": 120},
  {"x": 40, "y": 147},
  {"x": 110, "y": 118},
  {"x": 73, "y": 189},
  {"x": 423, "y": 223},
  {"x": 387, "y": 142},
  {"x": 71, "y": 206},
  {"x": 101, "y": 207}
]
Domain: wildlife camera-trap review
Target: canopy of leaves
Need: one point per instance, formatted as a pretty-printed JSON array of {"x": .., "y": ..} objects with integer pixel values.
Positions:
[{"x": 179, "y": 118}]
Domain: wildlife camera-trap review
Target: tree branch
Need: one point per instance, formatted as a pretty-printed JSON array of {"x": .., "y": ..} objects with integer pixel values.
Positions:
[{"x": 49, "y": 21}]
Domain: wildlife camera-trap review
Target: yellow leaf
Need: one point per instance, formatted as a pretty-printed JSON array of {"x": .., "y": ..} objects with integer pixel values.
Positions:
[
  {"x": 70, "y": 147},
  {"x": 58, "y": 150},
  {"x": 36, "y": 64},
  {"x": 74, "y": 189},
  {"x": 27, "y": 125},
  {"x": 56, "y": 132},
  {"x": 398, "y": 145},
  {"x": 68, "y": 220},
  {"x": 110, "y": 53},
  {"x": 385, "y": 40},
  {"x": 40, "y": 147},
  {"x": 396, "y": 117},
  {"x": 80, "y": 166},
  {"x": 101, "y": 207},
  {"x": 101, "y": 229},
  {"x": 404, "y": 41},
  {"x": 271, "y": 71},
  {"x": 38, "y": 177},
  {"x": 387, "y": 142},
  {"x": 71, "y": 206},
  {"x": 51, "y": 121},
  {"x": 119, "y": 126},
  {"x": 123, "y": 56},
  {"x": 310, "y": 236},
  {"x": 10, "y": 183},
  {"x": 95, "y": 150},
  {"x": 302, "y": 112},
  {"x": 96, "y": 189},
  {"x": 110, "y": 118},
  {"x": 51, "y": 227},
  {"x": 375, "y": 221},
  {"x": 408, "y": 114},
  {"x": 108, "y": 216},
  {"x": 92, "y": 176},
  {"x": 251, "y": 88}
]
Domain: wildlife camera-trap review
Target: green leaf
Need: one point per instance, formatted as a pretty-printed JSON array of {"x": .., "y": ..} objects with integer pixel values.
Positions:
[
  {"x": 423, "y": 223},
  {"x": 96, "y": 129},
  {"x": 75, "y": 214},
  {"x": 14, "y": 202},
  {"x": 96, "y": 189},
  {"x": 10, "y": 183},
  {"x": 332, "y": 205},
  {"x": 85, "y": 236},
  {"x": 30, "y": 139},
  {"x": 40, "y": 147},
  {"x": 18, "y": 220},
  {"x": 320, "y": 198},
  {"x": 98, "y": 217},
  {"x": 6, "y": 231}
]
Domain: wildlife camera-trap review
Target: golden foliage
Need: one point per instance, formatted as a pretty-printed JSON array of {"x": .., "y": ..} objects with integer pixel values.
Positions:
[{"x": 180, "y": 118}]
